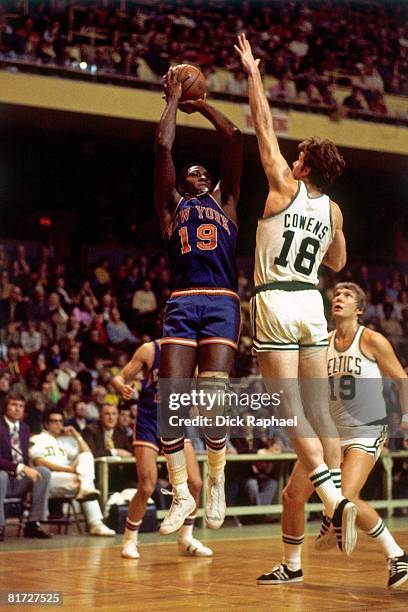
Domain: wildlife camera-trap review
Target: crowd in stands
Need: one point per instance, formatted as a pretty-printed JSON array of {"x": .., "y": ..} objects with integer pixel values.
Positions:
[
  {"x": 305, "y": 45},
  {"x": 63, "y": 337}
]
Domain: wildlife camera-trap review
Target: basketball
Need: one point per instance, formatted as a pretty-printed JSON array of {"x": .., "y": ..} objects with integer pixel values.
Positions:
[{"x": 193, "y": 82}]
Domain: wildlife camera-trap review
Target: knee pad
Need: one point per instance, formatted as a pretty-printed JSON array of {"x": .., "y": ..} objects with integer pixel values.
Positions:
[{"x": 211, "y": 391}]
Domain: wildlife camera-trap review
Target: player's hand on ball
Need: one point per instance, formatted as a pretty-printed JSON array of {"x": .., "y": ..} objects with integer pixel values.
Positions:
[
  {"x": 191, "y": 106},
  {"x": 243, "y": 48},
  {"x": 171, "y": 84}
]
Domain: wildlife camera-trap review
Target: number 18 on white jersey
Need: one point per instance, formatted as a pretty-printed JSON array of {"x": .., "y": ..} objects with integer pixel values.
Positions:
[{"x": 291, "y": 244}]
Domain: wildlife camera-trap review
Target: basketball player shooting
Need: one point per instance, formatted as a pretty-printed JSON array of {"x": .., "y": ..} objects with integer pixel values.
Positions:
[
  {"x": 300, "y": 229},
  {"x": 202, "y": 317}
]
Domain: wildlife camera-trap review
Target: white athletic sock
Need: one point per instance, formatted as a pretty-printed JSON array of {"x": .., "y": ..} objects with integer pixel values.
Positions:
[
  {"x": 325, "y": 488},
  {"x": 336, "y": 477},
  {"x": 131, "y": 530},
  {"x": 216, "y": 451},
  {"x": 176, "y": 462},
  {"x": 384, "y": 538},
  {"x": 186, "y": 530},
  {"x": 292, "y": 551}
]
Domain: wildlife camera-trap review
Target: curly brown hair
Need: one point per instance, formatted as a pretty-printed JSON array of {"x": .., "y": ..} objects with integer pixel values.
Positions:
[{"x": 323, "y": 159}]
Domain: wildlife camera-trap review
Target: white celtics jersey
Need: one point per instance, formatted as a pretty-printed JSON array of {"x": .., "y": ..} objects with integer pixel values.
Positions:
[
  {"x": 291, "y": 244},
  {"x": 356, "y": 385}
]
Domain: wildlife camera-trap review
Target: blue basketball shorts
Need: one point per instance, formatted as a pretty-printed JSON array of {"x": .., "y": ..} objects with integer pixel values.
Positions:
[
  {"x": 145, "y": 430},
  {"x": 195, "y": 317}
]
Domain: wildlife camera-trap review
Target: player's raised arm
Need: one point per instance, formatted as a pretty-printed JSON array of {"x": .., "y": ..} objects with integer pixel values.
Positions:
[
  {"x": 142, "y": 359},
  {"x": 274, "y": 164},
  {"x": 336, "y": 255},
  {"x": 165, "y": 173}
]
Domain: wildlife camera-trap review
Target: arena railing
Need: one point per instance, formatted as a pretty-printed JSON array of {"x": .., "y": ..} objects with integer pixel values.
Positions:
[{"x": 387, "y": 460}]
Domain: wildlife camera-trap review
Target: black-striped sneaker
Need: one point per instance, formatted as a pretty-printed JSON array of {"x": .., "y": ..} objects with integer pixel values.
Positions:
[
  {"x": 327, "y": 538},
  {"x": 280, "y": 574},
  {"x": 397, "y": 571},
  {"x": 344, "y": 523}
]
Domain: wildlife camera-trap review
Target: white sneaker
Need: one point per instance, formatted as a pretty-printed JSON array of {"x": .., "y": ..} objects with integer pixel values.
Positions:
[
  {"x": 129, "y": 550},
  {"x": 215, "y": 507},
  {"x": 182, "y": 506},
  {"x": 194, "y": 548},
  {"x": 88, "y": 495},
  {"x": 100, "y": 529}
]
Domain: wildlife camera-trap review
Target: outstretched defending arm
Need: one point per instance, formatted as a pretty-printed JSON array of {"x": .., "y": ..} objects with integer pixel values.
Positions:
[
  {"x": 165, "y": 173},
  {"x": 274, "y": 164}
]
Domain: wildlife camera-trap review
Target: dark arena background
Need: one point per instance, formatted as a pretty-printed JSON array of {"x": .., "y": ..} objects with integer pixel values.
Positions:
[{"x": 83, "y": 270}]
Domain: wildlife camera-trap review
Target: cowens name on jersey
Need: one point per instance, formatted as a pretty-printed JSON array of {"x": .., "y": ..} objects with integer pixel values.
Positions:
[
  {"x": 205, "y": 213},
  {"x": 306, "y": 223}
]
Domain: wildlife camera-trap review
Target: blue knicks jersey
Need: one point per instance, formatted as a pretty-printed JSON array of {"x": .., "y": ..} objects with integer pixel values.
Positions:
[
  {"x": 148, "y": 392},
  {"x": 200, "y": 241}
]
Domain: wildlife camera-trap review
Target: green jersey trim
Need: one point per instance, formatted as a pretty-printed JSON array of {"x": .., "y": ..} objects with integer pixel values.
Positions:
[{"x": 285, "y": 286}]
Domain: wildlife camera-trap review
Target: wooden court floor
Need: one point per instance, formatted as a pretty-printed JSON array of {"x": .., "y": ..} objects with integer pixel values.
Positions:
[{"x": 93, "y": 576}]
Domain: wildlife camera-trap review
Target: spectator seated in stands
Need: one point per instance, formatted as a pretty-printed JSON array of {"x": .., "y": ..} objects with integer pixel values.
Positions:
[
  {"x": 369, "y": 80},
  {"x": 5, "y": 379},
  {"x": 14, "y": 310},
  {"x": 125, "y": 419},
  {"x": 144, "y": 301},
  {"x": 102, "y": 274},
  {"x": 106, "y": 437},
  {"x": 16, "y": 475},
  {"x": 31, "y": 338},
  {"x": 73, "y": 364},
  {"x": 85, "y": 313},
  {"x": 284, "y": 89},
  {"x": 390, "y": 326},
  {"x": 119, "y": 333},
  {"x": 78, "y": 421},
  {"x": 356, "y": 100},
  {"x": 237, "y": 83},
  {"x": 93, "y": 349},
  {"x": 35, "y": 414},
  {"x": 66, "y": 454},
  {"x": 376, "y": 103},
  {"x": 93, "y": 408},
  {"x": 5, "y": 285}
]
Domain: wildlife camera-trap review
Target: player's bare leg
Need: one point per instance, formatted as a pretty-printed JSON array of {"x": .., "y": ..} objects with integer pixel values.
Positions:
[
  {"x": 146, "y": 469},
  {"x": 285, "y": 366},
  {"x": 177, "y": 363},
  {"x": 294, "y": 496},
  {"x": 214, "y": 364},
  {"x": 315, "y": 400},
  {"x": 356, "y": 468}
]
